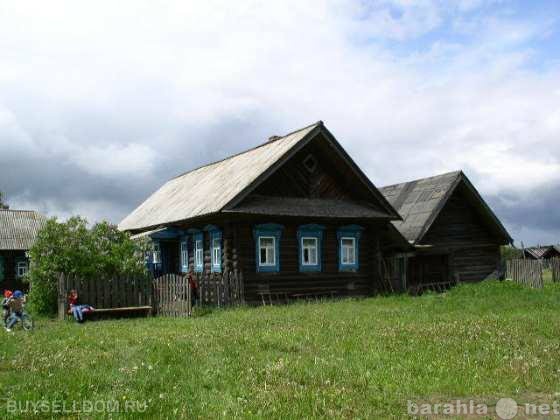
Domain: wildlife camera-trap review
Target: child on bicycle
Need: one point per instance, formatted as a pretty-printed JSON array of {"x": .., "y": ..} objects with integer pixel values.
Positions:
[
  {"x": 15, "y": 304},
  {"x": 6, "y": 306}
]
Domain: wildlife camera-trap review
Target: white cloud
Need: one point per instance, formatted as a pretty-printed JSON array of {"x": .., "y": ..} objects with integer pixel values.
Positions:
[{"x": 130, "y": 90}]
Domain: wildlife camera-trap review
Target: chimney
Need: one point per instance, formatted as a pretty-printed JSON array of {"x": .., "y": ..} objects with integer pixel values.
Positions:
[{"x": 273, "y": 138}]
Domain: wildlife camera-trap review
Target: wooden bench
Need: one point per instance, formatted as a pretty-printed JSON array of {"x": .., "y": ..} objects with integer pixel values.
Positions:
[
  {"x": 124, "y": 310},
  {"x": 315, "y": 295},
  {"x": 120, "y": 310}
]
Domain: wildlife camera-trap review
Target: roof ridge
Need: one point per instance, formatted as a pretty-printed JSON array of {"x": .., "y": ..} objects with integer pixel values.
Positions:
[
  {"x": 22, "y": 211},
  {"x": 318, "y": 123},
  {"x": 457, "y": 172}
]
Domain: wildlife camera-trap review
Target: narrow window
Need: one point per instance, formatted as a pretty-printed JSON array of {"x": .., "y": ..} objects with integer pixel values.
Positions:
[
  {"x": 198, "y": 254},
  {"x": 309, "y": 251},
  {"x": 21, "y": 268},
  {"x": 184, "y": 256},
  {"x": 216, "y": 253},
  {"x": 267, "y": 250},
  {"x": 156, "y": 255},
  {"x": 348, "y": 251}
]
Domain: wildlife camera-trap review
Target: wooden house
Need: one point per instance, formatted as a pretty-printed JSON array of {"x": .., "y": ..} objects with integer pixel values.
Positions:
[
  {"x": 542, "y": 252},
  {"x": 294, "y": 215},
  {"x": 18, "y": 231},
  {"x": 455, "y": 234}
]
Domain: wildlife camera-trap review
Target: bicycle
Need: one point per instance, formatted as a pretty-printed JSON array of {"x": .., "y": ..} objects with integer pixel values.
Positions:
[{"x": 26, "y": 322}]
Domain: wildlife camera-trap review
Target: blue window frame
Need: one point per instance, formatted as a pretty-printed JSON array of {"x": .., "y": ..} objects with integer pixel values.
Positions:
[
  {"x": 215, "y": 248},
  {"x": 310, "y": 245},
  {"x": 349, "y": 247},
  {"x": 267, "y": 247},
  {"x": 184, "y": 248},
  {"x": 198, "y": 242}
]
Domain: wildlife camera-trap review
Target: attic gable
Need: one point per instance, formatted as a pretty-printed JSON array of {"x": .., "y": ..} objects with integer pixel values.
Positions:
[{"x": 224, "y": 184}]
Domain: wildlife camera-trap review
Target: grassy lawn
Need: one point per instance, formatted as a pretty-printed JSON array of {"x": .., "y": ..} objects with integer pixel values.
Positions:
[{"x": 347, "y": 359}]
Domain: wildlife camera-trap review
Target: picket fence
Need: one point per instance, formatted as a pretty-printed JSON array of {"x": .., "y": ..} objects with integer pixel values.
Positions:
[{"x": 526, "y": 272}]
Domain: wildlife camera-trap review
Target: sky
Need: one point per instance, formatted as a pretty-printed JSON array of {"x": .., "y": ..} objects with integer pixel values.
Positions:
[{"x": 101, "y": 102}]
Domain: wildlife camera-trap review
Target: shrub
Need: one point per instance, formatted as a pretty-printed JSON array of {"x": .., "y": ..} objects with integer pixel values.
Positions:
[{"x": 73, "y": 249}]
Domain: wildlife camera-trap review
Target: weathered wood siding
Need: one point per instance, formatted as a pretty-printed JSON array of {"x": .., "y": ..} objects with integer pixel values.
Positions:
[
  {"x": 459, "y": 232},
  {"x": 331, "y": 177},
  {"x": 290, "y": 279}
]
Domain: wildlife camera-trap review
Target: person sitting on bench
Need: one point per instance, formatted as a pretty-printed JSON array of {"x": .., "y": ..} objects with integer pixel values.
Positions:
[{"x": 76, "y": 309}]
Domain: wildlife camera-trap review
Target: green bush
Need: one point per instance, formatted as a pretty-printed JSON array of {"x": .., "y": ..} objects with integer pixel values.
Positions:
[{"x": 73, "y": 249}]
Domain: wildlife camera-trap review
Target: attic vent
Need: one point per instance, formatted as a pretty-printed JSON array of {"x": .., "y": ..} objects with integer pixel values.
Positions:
[{"x": 310, "y": 163}]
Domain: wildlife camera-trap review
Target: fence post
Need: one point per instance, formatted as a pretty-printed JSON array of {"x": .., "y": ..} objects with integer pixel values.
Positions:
[{"x": 61, "y": 297}]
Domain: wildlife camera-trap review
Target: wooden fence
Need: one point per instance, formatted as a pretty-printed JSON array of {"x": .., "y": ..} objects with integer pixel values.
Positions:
[
  {"x": 104, "y": 293},
  {"x": 220, "y": 289},
  {"x": 555, "y": 268},
  {"x": 172, "y": 295},
  {"x": 526, "y": 272},
  {"x": 168, "y": 295}
]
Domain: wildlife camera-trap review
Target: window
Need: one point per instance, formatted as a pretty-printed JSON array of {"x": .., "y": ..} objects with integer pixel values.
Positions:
[
  {"x": 1, "y": 268},
  {"x": 349, "y": 247},
  {"x": 267, "y": 240},
  {"x": 198, "y": 252},
  {"x": 156, "y": 254},
  {"x": 184, "y": 256},
  {"x": 310, "y": 163},
  {"x": 267, "y": 250},
  {"x": 348, "y": 251},
  {"x": 216, "y": 251},
  {"x": 310, "y": 238},
  {"x": 309, "y": 251},
  {"x": 21, "y": 268}
]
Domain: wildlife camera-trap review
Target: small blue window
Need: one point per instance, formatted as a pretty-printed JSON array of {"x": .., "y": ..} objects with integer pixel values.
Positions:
[
  {"x": 267, "y": 241},
  {"x": 215, "y": 248},
  {"x": 310, "y": 245},
  {"x": 184, "y": 255},
  {"x": 349, "y": 247},
  {"x": 198, "y": 241}
]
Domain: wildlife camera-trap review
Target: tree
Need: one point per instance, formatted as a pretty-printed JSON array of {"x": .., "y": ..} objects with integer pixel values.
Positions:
[
  {"x": 73, "y": 249},
  {"x": 3, "y": 205},
  {"x": 510, "y": 253}
]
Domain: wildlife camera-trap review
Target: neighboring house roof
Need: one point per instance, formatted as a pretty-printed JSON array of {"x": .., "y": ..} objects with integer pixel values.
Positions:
[
  {"x": 545, "y": 251},
  {"x": 224, "y": 184},
  {"x": 419, "y": 203},
  {"x": 19, "y": 228}
]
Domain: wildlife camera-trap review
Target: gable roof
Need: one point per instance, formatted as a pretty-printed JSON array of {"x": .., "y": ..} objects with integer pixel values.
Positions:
[
  {"x": 224, "y": 184},
  {"x": 419, "y": 203},
  {"x": 19, "y": 228},
  {"x": 545, "y": 251}
]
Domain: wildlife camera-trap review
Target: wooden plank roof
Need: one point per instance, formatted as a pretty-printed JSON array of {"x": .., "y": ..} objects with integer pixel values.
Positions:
[
  {"x": 318, "y": 207},
  {"x": 420, "y": 201},
  {"x": 224, "y": 184},
  {"x": 19, "y": 228}
]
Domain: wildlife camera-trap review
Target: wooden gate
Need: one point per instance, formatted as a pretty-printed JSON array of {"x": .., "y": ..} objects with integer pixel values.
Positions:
[{"x": 172, "y": 295}]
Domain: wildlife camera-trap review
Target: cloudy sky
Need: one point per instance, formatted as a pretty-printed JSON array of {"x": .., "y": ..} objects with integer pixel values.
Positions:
[{"x": 101, "y": 102}]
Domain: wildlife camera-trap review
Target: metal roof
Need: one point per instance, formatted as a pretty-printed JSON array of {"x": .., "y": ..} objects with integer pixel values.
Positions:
[
  {"x": 419, "y": 203},
  {"x": 19, "y": 228},
  {"x": 222, "y": 185}
]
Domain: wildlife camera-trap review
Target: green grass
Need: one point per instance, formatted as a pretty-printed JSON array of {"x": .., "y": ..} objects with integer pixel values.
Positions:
[{"x": 346, "y": 359}]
